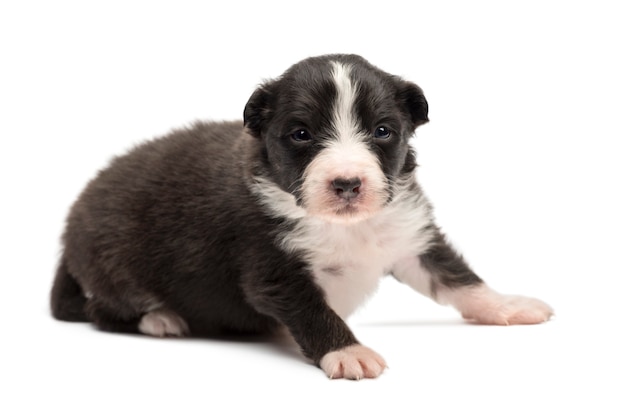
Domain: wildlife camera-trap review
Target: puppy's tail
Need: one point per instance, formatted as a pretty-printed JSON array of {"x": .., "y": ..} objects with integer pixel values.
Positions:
[{"x": 67, "y": 300}]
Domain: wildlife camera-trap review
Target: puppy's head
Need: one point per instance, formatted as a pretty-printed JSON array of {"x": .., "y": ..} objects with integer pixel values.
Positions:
[{"x": 334, "y": 132}]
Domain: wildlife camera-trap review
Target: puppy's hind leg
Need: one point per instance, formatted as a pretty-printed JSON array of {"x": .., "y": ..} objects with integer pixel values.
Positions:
[
  {"x": 67, "y": 300},
  {"x": 443, "y": 274},
  {"x": 162, "y": 322},
  {"x": 158, "y": 322},
  {"x": 112, "y": 316}
]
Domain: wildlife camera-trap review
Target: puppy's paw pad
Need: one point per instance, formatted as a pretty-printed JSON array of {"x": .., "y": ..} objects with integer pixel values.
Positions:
[
  {"x": 163, "y": 323},
  {"x": 353, "y": 362}
]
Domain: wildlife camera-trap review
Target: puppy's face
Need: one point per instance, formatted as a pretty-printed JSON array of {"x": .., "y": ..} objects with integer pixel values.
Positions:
[{"x": 334, "y": 133}]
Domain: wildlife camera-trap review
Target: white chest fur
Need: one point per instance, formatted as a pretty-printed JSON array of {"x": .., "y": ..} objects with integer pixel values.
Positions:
[{"x": 348, "y": 260}]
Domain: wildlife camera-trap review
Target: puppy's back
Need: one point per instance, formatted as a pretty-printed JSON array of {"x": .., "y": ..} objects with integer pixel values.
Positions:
[{"x": 126, "y": 229}]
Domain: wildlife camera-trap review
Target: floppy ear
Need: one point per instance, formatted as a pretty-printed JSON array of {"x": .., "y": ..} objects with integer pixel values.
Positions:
[
  {"x": 257, "y": 110},
  {"x": 413, "y": 99}
]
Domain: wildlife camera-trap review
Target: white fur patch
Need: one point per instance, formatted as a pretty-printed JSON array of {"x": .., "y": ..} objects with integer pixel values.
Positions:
[
  {"x": 276, "y": 200},
  {"x": 353, "y": 362},
  {"x": 348, "y": 259},
  {"x": 344, "y": 120},
  {"x": 409, "y": 271},
  {"x": 486, "y": 306},
  {"x": 163, "y": 323},
  {"x": 344, "y": 160}
]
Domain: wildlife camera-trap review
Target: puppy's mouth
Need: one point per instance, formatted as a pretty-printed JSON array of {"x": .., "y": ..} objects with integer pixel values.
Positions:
[{"x": 348, "y": 210}]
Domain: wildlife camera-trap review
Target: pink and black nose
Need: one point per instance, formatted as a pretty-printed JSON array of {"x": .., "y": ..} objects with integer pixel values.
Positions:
[{"x": 347, "y": 188}]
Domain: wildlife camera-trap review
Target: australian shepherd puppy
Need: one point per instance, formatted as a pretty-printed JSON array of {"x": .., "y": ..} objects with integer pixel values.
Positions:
[{"x": 288, "y": 221}]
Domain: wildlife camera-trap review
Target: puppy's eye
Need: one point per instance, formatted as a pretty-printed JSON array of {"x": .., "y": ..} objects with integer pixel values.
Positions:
[
  {"x": 301, "y": 136},
  {"x": 382, "y": 133}
]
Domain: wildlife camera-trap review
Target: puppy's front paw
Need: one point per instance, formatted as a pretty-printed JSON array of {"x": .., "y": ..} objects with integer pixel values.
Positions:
[
  {"x": 486, "y": 306},
  {"x": 353, "y": 362},
  {"x": 511, "y": 310}
]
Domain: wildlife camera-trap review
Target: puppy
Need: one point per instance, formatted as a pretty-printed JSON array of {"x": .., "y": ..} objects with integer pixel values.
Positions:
[{"x": 288, "y": 222}]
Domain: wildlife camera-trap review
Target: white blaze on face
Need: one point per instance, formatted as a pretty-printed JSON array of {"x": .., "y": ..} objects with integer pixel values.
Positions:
[
  {"x": 344, "y": 121},
  {"x": 346, "y": 156}
]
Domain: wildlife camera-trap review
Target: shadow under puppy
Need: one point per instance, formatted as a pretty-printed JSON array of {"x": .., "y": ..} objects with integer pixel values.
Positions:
[{"x": 288, "y": 222}]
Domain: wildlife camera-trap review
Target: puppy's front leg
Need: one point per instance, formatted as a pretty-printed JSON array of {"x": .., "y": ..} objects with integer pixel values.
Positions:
[
  {"x": 443, "y": 274},
  {"x": 297, "y": 302}
]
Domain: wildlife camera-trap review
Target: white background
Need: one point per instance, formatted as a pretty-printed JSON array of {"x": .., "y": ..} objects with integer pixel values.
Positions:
[{"x": 523, "y": 159}]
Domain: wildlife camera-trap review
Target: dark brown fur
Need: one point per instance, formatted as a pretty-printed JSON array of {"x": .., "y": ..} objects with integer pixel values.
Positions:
[{"x": 174, "y": 223}]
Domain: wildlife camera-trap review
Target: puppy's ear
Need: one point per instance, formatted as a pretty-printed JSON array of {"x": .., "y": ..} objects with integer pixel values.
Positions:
[
  {"x": 413, "y": 99},
  {"x": 257, "y": 110}
]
